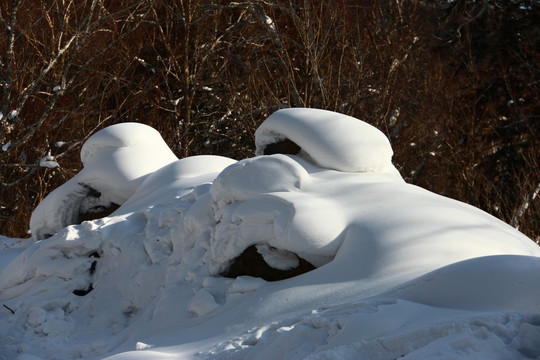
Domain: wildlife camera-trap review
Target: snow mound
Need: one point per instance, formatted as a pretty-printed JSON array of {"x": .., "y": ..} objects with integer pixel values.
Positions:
[
  {"x": 400, "y": 272},
  {"x": 503, "y": 282},
  {"x": 123, "y": 135},
  {"x": 116, "y": 160},
  {"x": 331, "y": 140},
  {"x": 187, "y": 173},
  {"x": 277, "y": 173},
  {"x": 274, "y": 209}
]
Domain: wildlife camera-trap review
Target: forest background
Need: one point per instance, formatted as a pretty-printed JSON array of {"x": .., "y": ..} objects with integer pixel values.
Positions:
[{"x": 453, "y": 84}]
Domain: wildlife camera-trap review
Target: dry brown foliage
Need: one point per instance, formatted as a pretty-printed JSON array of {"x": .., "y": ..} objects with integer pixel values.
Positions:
[{"x": 454, "y": 84}]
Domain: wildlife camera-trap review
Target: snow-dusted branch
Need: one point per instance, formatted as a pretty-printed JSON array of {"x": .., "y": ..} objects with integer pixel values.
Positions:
[
  {"x": 72, "y": 47},
  {"x": 6, "y": 74},
  {"x": 522, "y": 208}
]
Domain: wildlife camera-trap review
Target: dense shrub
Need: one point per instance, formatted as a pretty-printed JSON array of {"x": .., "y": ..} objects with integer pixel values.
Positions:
[{"x": 454, "y": 84}]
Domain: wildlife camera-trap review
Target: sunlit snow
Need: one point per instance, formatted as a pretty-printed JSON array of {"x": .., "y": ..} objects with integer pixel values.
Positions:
[
  {"x": 400, "y": 272},
  {"x": 116, "y": 160}
]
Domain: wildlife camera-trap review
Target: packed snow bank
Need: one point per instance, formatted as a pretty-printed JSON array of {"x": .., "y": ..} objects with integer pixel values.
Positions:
[
  {"x": 116, "y": 160},
  {"x": 401, "y": 272}
]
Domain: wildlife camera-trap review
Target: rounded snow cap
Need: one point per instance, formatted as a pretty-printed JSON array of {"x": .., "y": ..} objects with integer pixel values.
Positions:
[
  {"x": 329, "y": 139},
  {"x": 128, "y": 134}
]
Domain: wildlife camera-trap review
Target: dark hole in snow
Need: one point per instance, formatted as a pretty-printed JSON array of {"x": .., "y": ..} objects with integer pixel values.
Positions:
[
  {"x": 282, "y": 147},
  {"x": 97, "y": 212},
  {"x": 83, "y": 292},
  {"x": 251, "y": 263},
  {"x": 93, "y": 267},
  {"x": 94, "y": 255}
]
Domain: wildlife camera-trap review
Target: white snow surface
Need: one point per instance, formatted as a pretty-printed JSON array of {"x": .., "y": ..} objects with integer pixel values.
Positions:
[
  {"x": 331, "y": 140},
  {"x": 116, "y": 160},
  {"x": 401, "y": 272}
]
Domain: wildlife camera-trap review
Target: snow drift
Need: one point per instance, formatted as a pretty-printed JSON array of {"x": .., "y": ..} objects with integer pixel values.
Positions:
[{"x": 400, "y": 271}]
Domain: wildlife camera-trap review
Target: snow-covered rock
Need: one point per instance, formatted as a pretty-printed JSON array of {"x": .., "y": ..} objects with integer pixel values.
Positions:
[
  {"x": 401, "y": 272},
  {"x": 116, "y": 160},
  {"x": 331, "y": 140}
]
